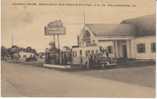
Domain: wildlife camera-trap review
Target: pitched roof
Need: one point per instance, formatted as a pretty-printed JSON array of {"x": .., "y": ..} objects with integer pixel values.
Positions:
[
  {"x": 110, "y": 30},
  {"x": 144, "y": 25},
  {"x": 141, "y": 26}
]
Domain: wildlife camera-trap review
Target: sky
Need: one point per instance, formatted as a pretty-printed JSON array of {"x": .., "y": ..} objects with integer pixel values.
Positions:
[{"x": 23, "y": 25}]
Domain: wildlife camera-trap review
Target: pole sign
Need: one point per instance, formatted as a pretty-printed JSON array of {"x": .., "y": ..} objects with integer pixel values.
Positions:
[{"x": 54, "y": 28}]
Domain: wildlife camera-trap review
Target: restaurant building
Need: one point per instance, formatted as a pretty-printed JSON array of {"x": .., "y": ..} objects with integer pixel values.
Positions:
[{"x": 131, "y": 39}]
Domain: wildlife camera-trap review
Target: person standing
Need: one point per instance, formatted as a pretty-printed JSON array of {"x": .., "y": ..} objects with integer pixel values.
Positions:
[
  {"x": 88, "y": 61},
  {"x": 47, "y": 56}
]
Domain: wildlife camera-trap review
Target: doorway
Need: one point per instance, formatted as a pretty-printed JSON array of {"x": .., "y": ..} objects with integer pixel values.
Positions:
[{"x": 124, "y": 51}]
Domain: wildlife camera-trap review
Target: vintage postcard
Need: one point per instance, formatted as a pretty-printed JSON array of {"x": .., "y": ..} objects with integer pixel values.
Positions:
[{"x": 78, "y": 48}]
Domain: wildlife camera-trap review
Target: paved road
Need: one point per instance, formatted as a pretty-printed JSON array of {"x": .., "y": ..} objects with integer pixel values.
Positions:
[
  {"x": 27, "y": 80},
  {"x": 142, "y": 76}
]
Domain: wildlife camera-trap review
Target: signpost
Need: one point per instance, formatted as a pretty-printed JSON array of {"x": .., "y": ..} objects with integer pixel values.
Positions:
[{"x": 55, "y": 28}]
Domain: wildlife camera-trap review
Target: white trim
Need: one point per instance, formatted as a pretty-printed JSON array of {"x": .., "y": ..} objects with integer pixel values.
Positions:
[
  {"x": 56, "y": 66},
  {"x": 114, "y": 38}
]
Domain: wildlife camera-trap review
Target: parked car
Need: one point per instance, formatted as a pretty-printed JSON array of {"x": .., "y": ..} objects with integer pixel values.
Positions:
[
  {"x": 25, "y": 56},
  {"x": 103, "y": 60}
]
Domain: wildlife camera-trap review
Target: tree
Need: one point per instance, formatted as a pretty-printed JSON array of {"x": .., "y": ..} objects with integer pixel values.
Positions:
[{"x": 28, "y": 49}]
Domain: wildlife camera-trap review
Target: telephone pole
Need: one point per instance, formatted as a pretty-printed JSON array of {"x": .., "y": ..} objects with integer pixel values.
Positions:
[
  {"x": 12, "y": 39},
  {"x": 84, "y": 18}
]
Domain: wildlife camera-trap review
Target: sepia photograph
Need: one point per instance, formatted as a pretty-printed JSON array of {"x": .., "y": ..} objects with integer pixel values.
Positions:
[{"x": 78, "y": 48}]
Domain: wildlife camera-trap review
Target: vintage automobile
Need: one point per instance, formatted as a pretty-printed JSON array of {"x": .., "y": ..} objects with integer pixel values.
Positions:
[
  {"x": 104, "y": 61},
  {"x": 26, "y": 56}
]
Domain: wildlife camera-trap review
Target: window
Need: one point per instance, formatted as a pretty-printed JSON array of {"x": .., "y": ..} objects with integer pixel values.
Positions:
[
  {"x": 86, "y": 38},
  {"x": 153, "y": 47},
  {"x": 101, "y": 49},
  {"x": 74, "y": 54},
  {"x": 141, "y": 48},
  {"x": 96, "y": 51},
  {"x": 92, "y": 51},
  {"x": 93, "y": 43},
  {"x": 86, "y": 53},
  {"x": 80, "y": 52},
  {"x": 109, "y": 49}
]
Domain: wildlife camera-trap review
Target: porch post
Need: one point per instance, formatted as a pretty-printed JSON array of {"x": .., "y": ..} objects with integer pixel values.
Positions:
[
  {"x": 128, "y": 43},
  {"x": 115, "y": 48}
]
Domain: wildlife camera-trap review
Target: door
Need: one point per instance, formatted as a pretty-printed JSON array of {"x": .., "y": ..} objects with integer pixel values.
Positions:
[{"x": 124, "y": 49}]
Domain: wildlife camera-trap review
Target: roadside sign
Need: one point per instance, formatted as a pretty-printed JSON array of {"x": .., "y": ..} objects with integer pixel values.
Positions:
[{"x": 54, "y": 28}]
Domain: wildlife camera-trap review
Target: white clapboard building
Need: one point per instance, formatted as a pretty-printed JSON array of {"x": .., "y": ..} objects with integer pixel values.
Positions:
[{"x": 131, "y": 39}]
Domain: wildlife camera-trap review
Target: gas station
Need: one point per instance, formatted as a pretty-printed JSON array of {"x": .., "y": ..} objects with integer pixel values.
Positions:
[{"x": 53, "y": 55}]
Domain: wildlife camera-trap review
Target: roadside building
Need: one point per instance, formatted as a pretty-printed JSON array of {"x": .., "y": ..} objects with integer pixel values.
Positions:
[{"x": 131, "y": 39}]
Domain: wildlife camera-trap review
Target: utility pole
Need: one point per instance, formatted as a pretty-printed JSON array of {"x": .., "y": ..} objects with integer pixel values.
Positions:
[
  {"x": 12, "y": 39},
  {"x": 58, "y": 41},
  {"x": 59, "y": 53},
  {"x": 84, "y": 18}
]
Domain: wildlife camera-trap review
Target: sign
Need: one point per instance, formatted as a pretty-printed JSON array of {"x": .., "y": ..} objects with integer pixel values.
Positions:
[{"x": 54, "y": 28}]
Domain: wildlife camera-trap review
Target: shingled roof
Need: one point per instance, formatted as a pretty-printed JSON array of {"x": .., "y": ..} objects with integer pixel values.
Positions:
[
  {"x": 141, "y": 26},
  {"x": 110, "y": 30},
  {"x": 144, "y": 25}
]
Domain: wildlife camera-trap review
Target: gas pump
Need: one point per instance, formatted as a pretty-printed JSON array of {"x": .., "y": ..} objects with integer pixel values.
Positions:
[{"x": 52, "y": 54}]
